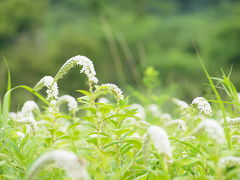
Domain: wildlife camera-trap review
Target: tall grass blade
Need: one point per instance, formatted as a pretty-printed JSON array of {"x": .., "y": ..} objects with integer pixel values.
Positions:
[
  {"x": 226, "y": 129},
  {"x": 5, "y": 101}
]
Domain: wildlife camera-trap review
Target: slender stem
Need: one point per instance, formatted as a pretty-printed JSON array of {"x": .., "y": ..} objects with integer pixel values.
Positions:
[{"x": 96, "y": 115}]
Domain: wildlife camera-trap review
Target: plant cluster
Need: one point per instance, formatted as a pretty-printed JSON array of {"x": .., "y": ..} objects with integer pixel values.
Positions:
[{"x": 98, "y": 136}]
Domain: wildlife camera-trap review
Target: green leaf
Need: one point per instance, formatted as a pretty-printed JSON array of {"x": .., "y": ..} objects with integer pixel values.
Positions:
[{"x": 85, "y": 92}]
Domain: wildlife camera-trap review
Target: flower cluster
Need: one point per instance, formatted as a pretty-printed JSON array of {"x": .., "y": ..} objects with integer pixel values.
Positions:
[
  {"x": 236, "y": 138},
  {"x": 109, "y": 87},
  {"x": 181, "y": 104},
  {"x": 154, "y": 109},
  {"x": 202, "y": 105},
  {"x": 67, "y": 160},
  {"x": 87, "y": 68},
  {"x": 213, "y": 129},
  {"x": 52, "y": 87},
  {"x": 29, "y": 106},
  {"x": 234, "y": 121},
  {"x": 71, "y": 102},
  {"x": 160, "y": 140}
]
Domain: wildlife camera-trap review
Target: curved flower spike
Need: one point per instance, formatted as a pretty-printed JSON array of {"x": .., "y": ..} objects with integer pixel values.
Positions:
[
  {"x": 52, "y": 87},
  {"x": 87, "y": 68},
  {"x": 67, "y": 160}
]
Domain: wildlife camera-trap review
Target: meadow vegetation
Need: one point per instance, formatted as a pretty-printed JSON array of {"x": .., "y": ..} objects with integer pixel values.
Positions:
[{"x": 103, "y": 134}]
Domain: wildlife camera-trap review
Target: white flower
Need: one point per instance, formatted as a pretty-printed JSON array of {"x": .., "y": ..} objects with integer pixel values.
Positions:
[
  {"x": 26, "y": 118},
  {"x": 67, "y": 160},
  {"x": 52, "y": 87},
  {"x": 236, "y": 138},
  {"x": 87, "y": 68},
  {"x": 72, "y": 103},
  {"x": 181, "y": 104},
  {"x": 180, "y": 123},
  {"x": 29, "y": 106},
  {"x": 234, "y": 121},
  {"x": 202, "y": 105},
  {"x": 20, "y": 134},
  {"x": 103, "y": 100},
  {"x": 154, "y": 109},
  {"x": 166, "y": 117},
  {"x": 160, "y": 140},
  {"x": 229, "y": 161},
  {"x": 140, "y": 111},
  {"x": 12, "y": 115},
  {"x": 213, "y": 129},
  {"x": 112, "y": 88}
]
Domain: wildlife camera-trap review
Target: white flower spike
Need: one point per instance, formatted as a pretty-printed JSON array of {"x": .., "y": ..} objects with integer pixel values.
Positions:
[
  {"x": 67, "y": 160},
  {"x": 52, "y": 87},
  {"x": 87, "y": 68},
  {"x": 160, "y": 140},
  {"x": 213, "y": 129},
  {"x": 181, "y": 104},
  {"x": 202, "y": 105},
  {"x": 71, "y": 102}
]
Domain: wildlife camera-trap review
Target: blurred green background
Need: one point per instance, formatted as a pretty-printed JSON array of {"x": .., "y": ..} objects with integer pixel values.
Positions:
[{"x": 122, "y": 38}]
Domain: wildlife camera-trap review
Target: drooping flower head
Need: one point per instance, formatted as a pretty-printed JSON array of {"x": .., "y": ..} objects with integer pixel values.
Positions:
[
  {"x": 84, "y": 62},
  {"x": 52, "y": 87},
  {"x": 103, "y": 100},
  {"x": 160, "y": 140},
  {"x": 183, "y": 106},
  {"x": 67, "y": 160},
  {"x": 213, "y": 129},
  {"x": 29, "y": 106},
  {"x": 109, "y": 88},
  {"x": 154, "y": 109},
  {"x": 202, "y": 105},
  {"x": 71, "y": 102}
]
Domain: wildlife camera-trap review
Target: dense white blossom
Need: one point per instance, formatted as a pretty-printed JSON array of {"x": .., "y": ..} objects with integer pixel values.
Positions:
[
  {"x": 84, "y": 62},
  {"x": 52, "y": 87},
  {"x": 20, "y": 134},
  {"x": 71, "y": 102},
  {"x": 67, "y": 160},
  {"x": 110, "y": 88},
  {"x": 213, "y": 129},
  {"x": 160, "y": 140},
  {"x": 229, "y": 161},
  {"x": 202, "y": 105},
  {"x": 183, "y": 106},
  {"x": 236, "y": 138},
  {"x": 154, "y": 109},
  {"x": 103, "y": 100},
  {"x": 233, "y": 121},
  {"x": 166, "y": 117},
  {"x": 180, "y": 123},
  {"x": 29, "y": 106}
]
